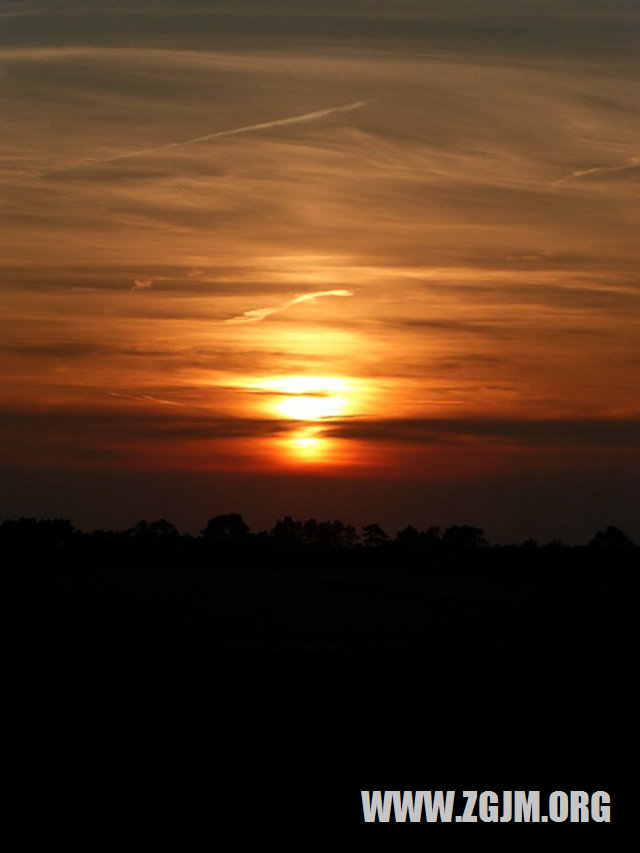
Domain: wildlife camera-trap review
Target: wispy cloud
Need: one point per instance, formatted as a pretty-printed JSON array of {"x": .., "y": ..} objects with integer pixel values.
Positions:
[
  {"x": 22, "y": 14},
  {"x": 257, "y": 314}
]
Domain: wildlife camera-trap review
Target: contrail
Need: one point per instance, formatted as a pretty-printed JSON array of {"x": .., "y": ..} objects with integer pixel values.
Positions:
[
  {"x": 257, "y": 314},
  {"x": 249, "y": 128},
  {"x": 144, "y": 398}
]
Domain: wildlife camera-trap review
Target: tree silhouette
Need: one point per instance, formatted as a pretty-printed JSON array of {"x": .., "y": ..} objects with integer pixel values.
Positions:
[
  {"x": 153, "y": 531},
  {"x": 612, "y": 539},
  {"x": 373, "y": 536},
  {"x": 226, "y": 528},
  {"x": 408, "y": 536},
  {"x": 463, "y": 537},
  {"x": 287, "y": 533},
  {"x": 313, "y": 534},
  {"x": 431, "y": 537},
  {"x": 336, "y": 534},
  {"x": 30, "y": 535}
]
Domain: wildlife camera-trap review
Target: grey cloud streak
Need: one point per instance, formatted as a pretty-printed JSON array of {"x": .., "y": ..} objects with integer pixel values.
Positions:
[
  {"x": 74, "y": 424},
  {"x": 199, "y": 424},
  {"x": 589, "y": 432}
]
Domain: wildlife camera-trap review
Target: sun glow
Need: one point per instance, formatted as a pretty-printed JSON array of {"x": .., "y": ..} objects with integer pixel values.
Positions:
[{"x": 307, "y": 410}]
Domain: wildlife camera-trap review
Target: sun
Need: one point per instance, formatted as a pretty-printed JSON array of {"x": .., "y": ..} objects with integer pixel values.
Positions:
[
  {"x": 308, "y": 445},
  {"x": 309, "y": 398}
]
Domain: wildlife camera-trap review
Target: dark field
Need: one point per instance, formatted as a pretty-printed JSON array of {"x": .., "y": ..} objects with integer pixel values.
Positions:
[{"x": 178, "y": 678}]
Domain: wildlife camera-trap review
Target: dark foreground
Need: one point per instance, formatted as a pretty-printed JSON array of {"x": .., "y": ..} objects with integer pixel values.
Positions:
[{"x": 184, "y": 697}]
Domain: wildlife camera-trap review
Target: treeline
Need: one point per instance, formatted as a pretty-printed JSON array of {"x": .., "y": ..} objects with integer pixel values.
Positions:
[{"x": 228, "y": 538}]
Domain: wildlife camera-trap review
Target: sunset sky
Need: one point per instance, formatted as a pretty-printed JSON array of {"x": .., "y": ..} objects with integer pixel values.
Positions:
[{"x": 375, "y": 260}]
